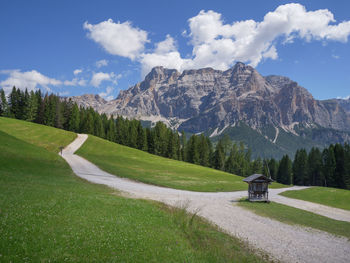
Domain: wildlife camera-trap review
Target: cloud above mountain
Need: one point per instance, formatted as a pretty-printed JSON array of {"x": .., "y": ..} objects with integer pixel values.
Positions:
[
  {"x": 120, "y": 39},
  {"x": 218, "y": 44}
]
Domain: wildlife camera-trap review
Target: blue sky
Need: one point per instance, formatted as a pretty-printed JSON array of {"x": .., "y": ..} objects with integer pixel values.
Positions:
[{"x": 102, "y": 47}]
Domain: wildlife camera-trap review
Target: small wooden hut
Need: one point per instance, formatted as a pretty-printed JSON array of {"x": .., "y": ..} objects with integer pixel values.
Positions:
[{"x": 258, "y": 187}]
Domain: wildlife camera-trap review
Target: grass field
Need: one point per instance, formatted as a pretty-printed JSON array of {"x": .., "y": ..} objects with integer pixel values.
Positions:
[
  {"x": 338, "y": 198},
  {"x": 291, "y": 215},
  {"x": 47, "y": 214},
  {"x": 44, "y": 136},
  {"x": 141, "y": 166}
]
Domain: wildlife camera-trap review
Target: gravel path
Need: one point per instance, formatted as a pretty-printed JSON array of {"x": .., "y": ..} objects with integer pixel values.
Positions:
[{"x": 283, "y": 242}]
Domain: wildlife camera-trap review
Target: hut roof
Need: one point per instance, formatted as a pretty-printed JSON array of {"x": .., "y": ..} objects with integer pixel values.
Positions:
[{"x": 257, "y": 177}]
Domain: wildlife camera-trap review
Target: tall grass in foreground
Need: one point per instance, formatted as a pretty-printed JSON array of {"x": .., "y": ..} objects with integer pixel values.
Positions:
[{"x": 47, "y": 214}]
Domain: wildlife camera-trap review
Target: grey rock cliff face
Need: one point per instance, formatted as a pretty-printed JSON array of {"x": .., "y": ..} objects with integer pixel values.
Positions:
[{"x": 206, "y": 99}]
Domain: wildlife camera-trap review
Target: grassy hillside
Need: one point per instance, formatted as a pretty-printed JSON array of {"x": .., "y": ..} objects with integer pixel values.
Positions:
[
  {"x": 138, "y": 165},
  {"x": 295, "y": 216},
  {"x": 338, "y": 198},
  {"x": 49, "y": 214},
  {"x": 48, "y": 137}
]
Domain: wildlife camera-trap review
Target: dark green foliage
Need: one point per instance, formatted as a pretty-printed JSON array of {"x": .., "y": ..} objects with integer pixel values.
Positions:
[
  {"x": 340, "y": 172},
  {"x": 74, "y": 119},
  {"x": 284, "y": 174},
  {"x": 219, "y": 156},
  {"x": 257, "y": 166},
  {"x": 273, "y": 168},
  {"x": 314, "y": 164},
  {"x": 328, "y": 166},
  {"x": 300, "y": 167},
  {"x": 192, "y": 148},
  {"x": 3, "y": 104}
]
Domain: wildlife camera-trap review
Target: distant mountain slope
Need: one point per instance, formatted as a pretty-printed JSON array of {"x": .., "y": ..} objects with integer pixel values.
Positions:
[
  {"x": 345, "y": 103},
  {"x": 211, "y": 101}
]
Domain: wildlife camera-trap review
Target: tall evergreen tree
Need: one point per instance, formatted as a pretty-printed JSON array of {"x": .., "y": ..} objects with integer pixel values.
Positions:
[
  {"x": 339, "y": 173},
  {"x": 257, "y": 166},
  {"x": 183, "y": 146},
  {"x": 300, "y": 167},
  {"x": 32, "y": 107},
  {"x": 74, "y": 121},
  {"x": 4, "y": 104},
  {"x": 219, "y": 156},
  {"x": 193, "y": 150},
  {"x": 315, "y": 167},
  {"x": 347, "y": 166},
  {"x": 284, "y": 174},
  {"x": 328, "y": 166},
  {"x": 273, "y": 168},
  {"x": 203, "y": 149}
]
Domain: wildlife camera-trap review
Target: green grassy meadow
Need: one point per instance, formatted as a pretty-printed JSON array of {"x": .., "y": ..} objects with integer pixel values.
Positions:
[
  {"x": 44, "y": 136},
  {"x": 47, "y": 214},
  {"x": 295, "y": 216},
  {"x": 334, "y": 197},
  {"x": 127, "y": 162}
]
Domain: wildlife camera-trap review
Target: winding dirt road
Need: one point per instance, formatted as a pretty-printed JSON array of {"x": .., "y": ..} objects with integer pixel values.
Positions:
[{"x": 283, "y": 242}]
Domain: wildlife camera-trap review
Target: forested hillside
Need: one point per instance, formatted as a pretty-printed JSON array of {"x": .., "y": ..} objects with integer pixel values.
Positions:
[{"x": 331, "y": 167}]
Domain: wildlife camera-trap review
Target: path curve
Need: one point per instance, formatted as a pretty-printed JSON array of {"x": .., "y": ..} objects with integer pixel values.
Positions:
[{"x": 282, "y": 241}]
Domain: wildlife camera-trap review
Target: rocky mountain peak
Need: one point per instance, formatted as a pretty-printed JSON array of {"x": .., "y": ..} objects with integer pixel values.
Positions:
[
  {"x": 207, "y": 99},
  {"x": 160, "y": 74}
]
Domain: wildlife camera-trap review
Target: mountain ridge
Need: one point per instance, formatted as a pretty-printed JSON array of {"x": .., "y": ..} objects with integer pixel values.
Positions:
[{"x": 210, "y": 101}]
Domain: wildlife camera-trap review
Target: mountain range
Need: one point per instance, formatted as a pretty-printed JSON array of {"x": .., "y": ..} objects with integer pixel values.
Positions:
[{"x": 273, "y": 115}]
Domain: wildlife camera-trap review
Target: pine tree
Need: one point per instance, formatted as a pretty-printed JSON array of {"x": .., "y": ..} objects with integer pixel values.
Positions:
[
  {"x": 4, "y": 104},
  {"x": 273, "y": 168},
  {"x": 340, "y": 166},
  {"x": 328, "y": 166},
  {"x": 315, "y": 167},
  {"x": 219, "y": 156},
  {"x": 32, "y": 107},
  {"x": 111, "y": 130},
  {"x": 14, "y": 101},
  {"x": 150, "y": 140},
  {"x": 74, "y": 121},
  {"x": 183, "y": 146},
  {"x": 40, "y": 113},
  {"x": 231, "y": 164},
  {"x": 284, "y": 174},
  {"x": 347, "y": 166},
  {"x": 203, "y": 149},
  {"x": 193, "y": 150},
  {"x": 300, "y": 167},
  {"x": 257, "y": 166}
]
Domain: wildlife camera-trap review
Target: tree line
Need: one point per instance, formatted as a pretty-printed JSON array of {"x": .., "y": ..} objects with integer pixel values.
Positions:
[
  {"x": 51, "y": 110},
  {"x": 331, "y": 167}
]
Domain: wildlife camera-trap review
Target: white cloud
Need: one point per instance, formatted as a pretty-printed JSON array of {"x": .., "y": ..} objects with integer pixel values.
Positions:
[
  {"x": 28, "y": 79},
  {"x": 75, "y": 82},
  {"x": 120, "y": 39},
  {"x": 218, "y": 44},
  {"x": 77, "y": 71},
  {"x": 165, "y": 54},
  {"x": 335, "y": 56},
  {"x": 107, "y": 94},
  {"x": 101, "y": 63},
  {"x": 99, "y": 77}
]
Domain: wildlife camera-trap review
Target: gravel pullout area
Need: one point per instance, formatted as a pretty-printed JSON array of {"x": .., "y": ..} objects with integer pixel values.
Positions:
[{"x": 283, "y": 242}]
